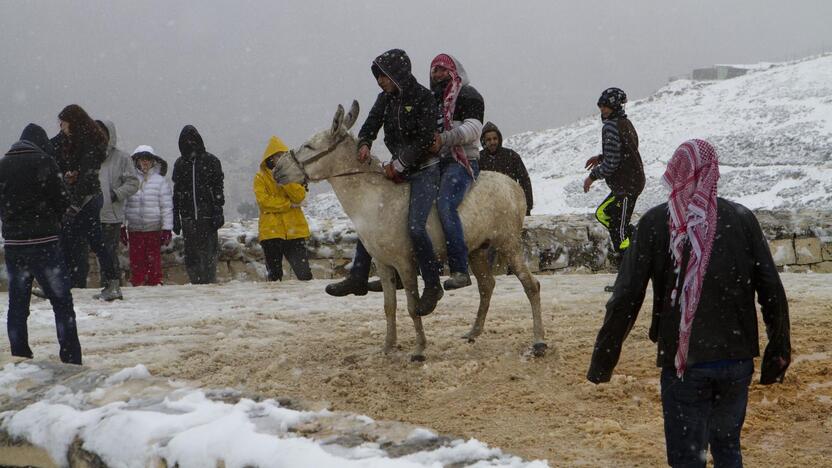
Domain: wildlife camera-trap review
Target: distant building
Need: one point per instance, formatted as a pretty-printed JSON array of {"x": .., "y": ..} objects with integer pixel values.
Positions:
[{"x": 718, "y": 72}]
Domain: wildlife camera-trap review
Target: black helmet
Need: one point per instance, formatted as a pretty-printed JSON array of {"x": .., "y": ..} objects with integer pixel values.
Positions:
[{"x": 614, "y": 98}]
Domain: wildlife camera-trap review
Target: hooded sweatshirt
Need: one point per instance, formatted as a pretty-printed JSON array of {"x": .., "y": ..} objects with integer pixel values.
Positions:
[
  {"x": 198, "y": 191},
  {"x": 151, "y": 207},
  {"x": 408, "y": 115},
  {"x": 508, "y": 162},
  {"x": 468, "y": 116},
  {"x": 281, "y": 216},
  {"x": 33, "y": 197},
  {"x": 118, "y": 179}
]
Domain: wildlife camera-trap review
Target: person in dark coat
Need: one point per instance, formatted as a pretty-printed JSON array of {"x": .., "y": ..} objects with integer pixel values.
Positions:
[
  {"x": 620, "y": 166},
  {"x": 494, "y": 157},
  {"x": 83, "y": 148},
  {"x": 707, "y": 258},
  {"x": 33, "y": 200},
  {"x": 408, "y": 113},
  {"x": 198, "y": 199}
]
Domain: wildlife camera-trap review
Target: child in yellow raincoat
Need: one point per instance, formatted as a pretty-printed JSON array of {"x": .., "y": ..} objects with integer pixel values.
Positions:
[{"x": 283, "y": 228}]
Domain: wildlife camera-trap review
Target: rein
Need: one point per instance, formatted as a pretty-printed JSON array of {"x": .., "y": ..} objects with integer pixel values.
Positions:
[{"x": 307, "y": 178}]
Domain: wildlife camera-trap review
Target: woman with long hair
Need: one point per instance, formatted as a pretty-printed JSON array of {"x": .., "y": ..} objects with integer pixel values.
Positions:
[{"x": 83, "y": 147}]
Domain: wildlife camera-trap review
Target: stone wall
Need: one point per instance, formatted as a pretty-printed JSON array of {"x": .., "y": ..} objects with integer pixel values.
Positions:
[{"x": 800, "y": 241}]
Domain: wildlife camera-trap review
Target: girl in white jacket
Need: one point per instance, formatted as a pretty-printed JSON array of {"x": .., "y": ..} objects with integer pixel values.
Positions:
[{"x": 149, "y": 218}]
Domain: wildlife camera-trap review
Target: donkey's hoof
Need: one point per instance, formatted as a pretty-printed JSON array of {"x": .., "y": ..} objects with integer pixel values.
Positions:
[
  {"x": 417, "y": 358},
  {"x": 469, "y": 338},
  {"x": 539, "y": 349}
]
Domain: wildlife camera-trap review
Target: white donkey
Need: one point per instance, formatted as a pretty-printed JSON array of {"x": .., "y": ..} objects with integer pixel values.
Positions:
[{"x": 491, "y": 213}]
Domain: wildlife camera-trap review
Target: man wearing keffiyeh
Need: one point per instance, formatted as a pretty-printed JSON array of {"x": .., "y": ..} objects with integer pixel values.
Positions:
[
  {"x": 707, "y": 258},
  {"x": 461, "y": 109}
]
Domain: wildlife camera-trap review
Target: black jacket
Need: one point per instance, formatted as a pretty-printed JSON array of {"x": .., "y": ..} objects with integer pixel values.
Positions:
[
  {"x": 33, "y": 197},
  {"x": 725, "y": 325},
  {"x": 508, "y": 162},
  {"x": 197, "y": 181},
  {"x": 86, "y": 160},
  {"x": 469, "y": 103},
  {"x": 621, "y": 166},
  {"x": 408, "y": 116}
]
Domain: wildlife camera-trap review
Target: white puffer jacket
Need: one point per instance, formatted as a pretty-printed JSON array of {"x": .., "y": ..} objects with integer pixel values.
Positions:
[{"x": 151, "y": 208}]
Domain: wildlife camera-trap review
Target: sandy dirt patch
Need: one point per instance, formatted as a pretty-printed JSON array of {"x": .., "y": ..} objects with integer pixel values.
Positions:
[{"x": 292, "y": 340}]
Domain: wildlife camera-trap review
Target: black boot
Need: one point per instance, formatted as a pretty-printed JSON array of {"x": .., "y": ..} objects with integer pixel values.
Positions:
[
  {"x": 430, "y": 296},
  {"x": 457, "y": 280},
  {"x": 347, "y": 286},
  {"x": 375, "y": 285}
]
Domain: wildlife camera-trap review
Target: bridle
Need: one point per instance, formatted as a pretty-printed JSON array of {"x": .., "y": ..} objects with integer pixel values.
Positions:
[{"x": 310, "y": 160}]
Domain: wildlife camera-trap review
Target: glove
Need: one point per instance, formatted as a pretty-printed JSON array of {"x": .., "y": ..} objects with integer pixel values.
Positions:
[
  {"x": 177, "y": 225},
  {"x": 124, "y": 236},
  {"x": 217, "y": 221},
  {"x": 113, "y": 196},
  {"x": 165, "y": 236}
]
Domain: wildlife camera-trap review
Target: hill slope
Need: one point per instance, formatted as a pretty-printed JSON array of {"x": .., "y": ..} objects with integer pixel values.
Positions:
[{"x": 772, "y": 128}]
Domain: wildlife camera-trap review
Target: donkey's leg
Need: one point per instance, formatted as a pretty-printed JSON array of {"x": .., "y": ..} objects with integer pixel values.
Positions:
[
  {"x": 485, "y": 283},
  {"x": 388, "y": 284},
  {"x": 532, "y": 288},
  {"x": 411, "y": 290}
]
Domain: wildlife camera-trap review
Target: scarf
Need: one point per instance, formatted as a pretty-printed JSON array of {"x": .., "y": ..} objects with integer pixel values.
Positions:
[
  {"x": 691, "y": 176},
  {"x": 449, "y": 104}
]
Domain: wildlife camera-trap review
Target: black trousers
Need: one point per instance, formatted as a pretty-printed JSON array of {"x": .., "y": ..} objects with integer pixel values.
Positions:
[
  {"x": 295, "y": 252},
  {"x": 83, "y": 232},
  {"x": 615, "y": 213},
  {"x": 201, "y": 250},
  {"x": 111, "y": 236}
]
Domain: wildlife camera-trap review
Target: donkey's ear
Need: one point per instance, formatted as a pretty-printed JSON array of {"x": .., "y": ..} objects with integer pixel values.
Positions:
[
  {"x": 337, "y": 120},
  {"x": 352, "y": 115}
]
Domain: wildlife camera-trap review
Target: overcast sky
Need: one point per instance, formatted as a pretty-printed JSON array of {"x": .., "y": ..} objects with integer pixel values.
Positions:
[{"x": 244, "y": 70}]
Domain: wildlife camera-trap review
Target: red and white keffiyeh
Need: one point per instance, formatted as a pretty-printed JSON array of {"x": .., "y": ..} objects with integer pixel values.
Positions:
[
  {"x": 691, "y": 176},
  {"x": 449, "y": 103}
]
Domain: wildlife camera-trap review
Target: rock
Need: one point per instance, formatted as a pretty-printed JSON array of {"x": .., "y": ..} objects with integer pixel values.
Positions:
[
  {"x": 807, "y": 250},
  {"x": 782, "y": 250}
]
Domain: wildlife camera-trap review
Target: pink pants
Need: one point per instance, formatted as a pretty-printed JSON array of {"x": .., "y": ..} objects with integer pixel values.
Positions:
[{"x": 145, "y": 258}]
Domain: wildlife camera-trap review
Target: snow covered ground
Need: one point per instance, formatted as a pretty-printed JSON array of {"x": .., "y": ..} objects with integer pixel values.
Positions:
[
  {"x": 195, "y": 356},
  {"x": 130, "y": 419}
]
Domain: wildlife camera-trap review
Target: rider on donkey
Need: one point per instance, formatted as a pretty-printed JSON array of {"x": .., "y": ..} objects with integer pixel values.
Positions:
[{"x": 408, "y": 112}]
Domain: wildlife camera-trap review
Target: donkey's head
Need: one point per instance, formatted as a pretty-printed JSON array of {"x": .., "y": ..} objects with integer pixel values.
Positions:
[{"x": 328, "y": 153}]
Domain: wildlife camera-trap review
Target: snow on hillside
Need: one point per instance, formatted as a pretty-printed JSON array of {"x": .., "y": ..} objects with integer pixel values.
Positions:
[{"x": 772, "y": 128}]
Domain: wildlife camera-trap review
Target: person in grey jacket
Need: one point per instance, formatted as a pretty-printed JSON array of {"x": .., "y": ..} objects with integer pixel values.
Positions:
[{"x": 118, "y": 182}]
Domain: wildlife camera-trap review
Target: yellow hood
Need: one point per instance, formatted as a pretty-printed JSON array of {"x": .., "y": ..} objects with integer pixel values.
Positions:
[{"x": 275, "y": 145}]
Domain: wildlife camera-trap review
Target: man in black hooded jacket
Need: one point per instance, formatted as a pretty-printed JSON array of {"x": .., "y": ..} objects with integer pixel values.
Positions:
[
  {"x": 495, "y": 157},
  {"x": 198, "y": 198},
  {"x": 33, "y": 199},
  {"x": 408, "y": 113}
]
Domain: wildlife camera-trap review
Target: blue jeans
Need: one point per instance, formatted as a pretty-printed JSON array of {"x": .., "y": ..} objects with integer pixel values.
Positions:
[
  {"x": 424, "y": 189},
  {"x": 46, "y": 263},
  {"x": 85, "y": 228},
  {"x": 707, "y": 407},
  {"x": 453, "y": 184}
]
